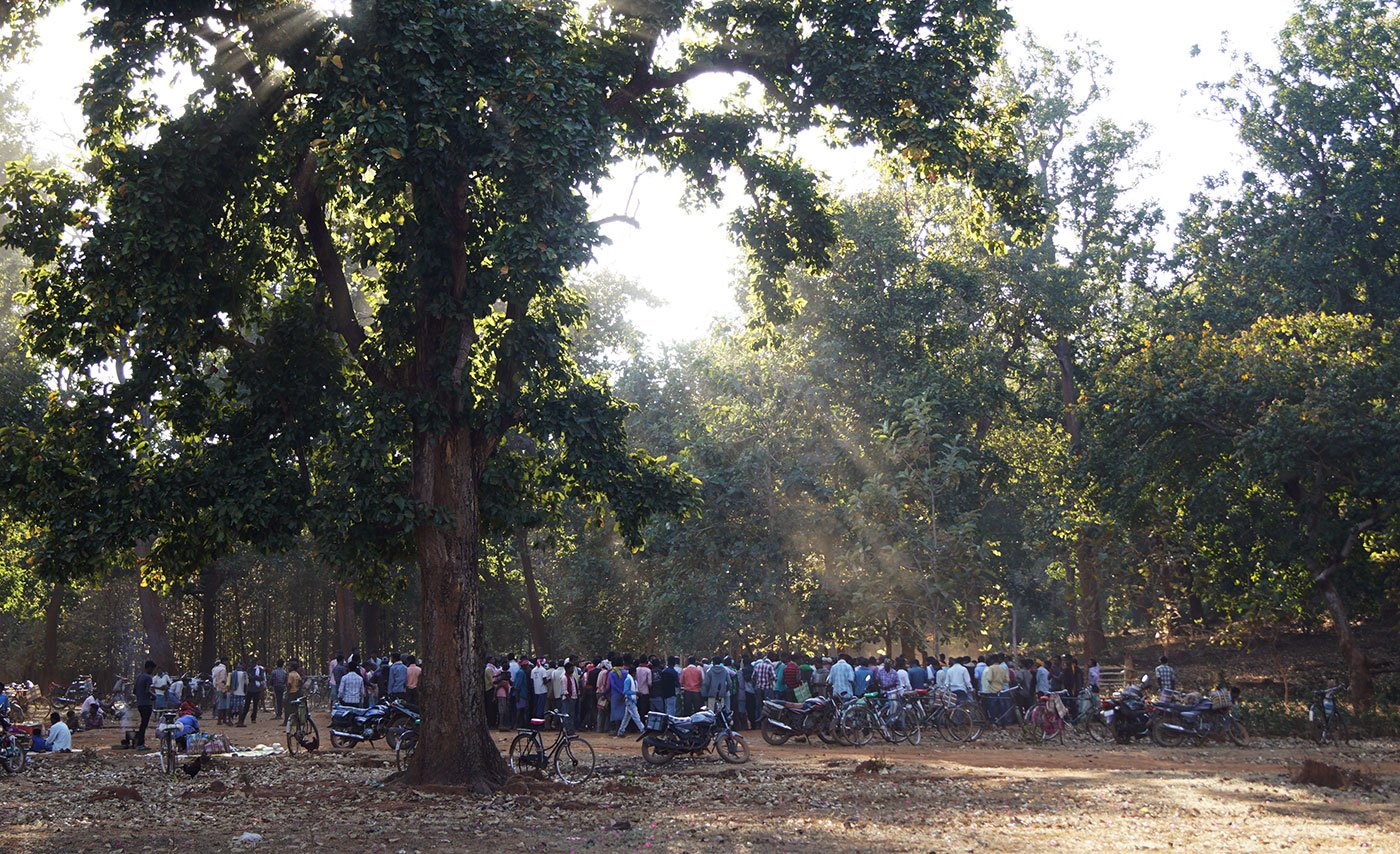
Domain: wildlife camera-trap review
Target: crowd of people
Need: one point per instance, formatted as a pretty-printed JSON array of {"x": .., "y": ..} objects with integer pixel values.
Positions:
[{"x": 613, "y": 693}]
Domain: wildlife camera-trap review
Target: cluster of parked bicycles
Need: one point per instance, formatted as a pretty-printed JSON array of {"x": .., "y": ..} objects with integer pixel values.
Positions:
[{"x": 1123, "y": 716}]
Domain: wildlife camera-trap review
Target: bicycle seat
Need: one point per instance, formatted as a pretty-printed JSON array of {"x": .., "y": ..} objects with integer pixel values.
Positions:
[{"x": 536, "y": 723}]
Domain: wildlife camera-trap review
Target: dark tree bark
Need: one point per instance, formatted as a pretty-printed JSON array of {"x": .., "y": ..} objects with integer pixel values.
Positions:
[
  {"x": 1362, "y": 688},
  {"x": 53, "y": 614},
  {"x": 153, "y": 619},
  {"x": 346, "y": 637},
  {"x": 1091, "y": 606},
  {"x": 373, "y": 614},
  {"x": 539, "y": 631},
  {"x": 447, "y": 470},
  {"x": 1069, "y": 399},
  {"x": 210, "y": 582}
]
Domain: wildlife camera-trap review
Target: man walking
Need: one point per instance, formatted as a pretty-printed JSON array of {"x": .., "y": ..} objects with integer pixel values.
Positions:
[{"x": 629, "y": 699}]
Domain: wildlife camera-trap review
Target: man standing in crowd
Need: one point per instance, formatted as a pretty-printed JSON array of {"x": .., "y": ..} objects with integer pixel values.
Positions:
[
  {"x": 397, "y": 687},
  {"x": 415, "y": 673},
  {"x": 237, "y": 693},
  {"x": 959, "y": 680},
  {"x": 257, "y": 681},
  {"x": 352, "y": 689},
  {"x": 277, "y": 683},
  {"x": 668, "y": 685},
  {"x": 569, "y": 693},
  {"x": 691, "y": 678},
  {"x": 539, "y": 681},
  {"x": 145, "y": 701},
  {"x": 219, "y": 677},
  {"x": 843, "y": 677},
  {"x": 644, "y": 678},
  {"x": 763, "y": 681}
]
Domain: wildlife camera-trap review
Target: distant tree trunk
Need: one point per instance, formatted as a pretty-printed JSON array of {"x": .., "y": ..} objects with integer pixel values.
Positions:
[
  {"x": 539, "y": 631},
  {"x": 1069, "y": 400},
  {"x": 373, "y": 613},
  {"x": 53, "y": 614},
  {"x": 346, "y": 638},
  {"x": 1362, "y": 688},
  {"x": 1090, "y": 599},
  {"x": 210, "y": 581}
]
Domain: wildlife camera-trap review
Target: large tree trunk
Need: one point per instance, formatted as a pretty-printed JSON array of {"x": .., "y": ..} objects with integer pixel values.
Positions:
[
  {"x": 346, "y": 638},
  {"x": 153, "y": 618},
  {"x": 1069, "y": 399},
  {"x": 1362, "y": 689},
  {"x": 157, "y": 636},
  {"x": 447, "y": 476},
  {"x": 53, "y": 613},
  {"x": 539, "y": 632}
]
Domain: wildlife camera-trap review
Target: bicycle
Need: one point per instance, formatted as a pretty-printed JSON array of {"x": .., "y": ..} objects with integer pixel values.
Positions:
[
  {"x": 301, "y": 729},
  {"x": 169, "y": 750},
  {"x": 951, "y": 719},
  {"x": 1326, "y": 719},
  {"x": 1045, "y": 720},
  {"x": 404, "y": 750},
  {"x": 895, "y": 721},
  {"x": 1090, "y": 722},
  {"x": 571, "y": 756}
]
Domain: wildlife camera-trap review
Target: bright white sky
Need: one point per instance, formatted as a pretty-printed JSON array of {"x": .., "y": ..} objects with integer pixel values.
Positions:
[{"x": 686, "y": 258}]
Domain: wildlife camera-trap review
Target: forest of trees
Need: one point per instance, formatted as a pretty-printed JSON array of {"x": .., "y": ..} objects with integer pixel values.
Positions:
[{"x": 993, "y": 399}]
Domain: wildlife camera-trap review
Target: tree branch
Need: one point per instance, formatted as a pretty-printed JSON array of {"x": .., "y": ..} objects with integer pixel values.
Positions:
[
  {"x": 622, "y": 218},
  {"x": 343, "y": 321}
]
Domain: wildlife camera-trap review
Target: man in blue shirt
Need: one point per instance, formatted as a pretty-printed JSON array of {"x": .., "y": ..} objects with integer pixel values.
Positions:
[
  {"x": 918, "y": 677},
  {"x": 862, "y": 676},
  {"x": 398, "y": 678}
]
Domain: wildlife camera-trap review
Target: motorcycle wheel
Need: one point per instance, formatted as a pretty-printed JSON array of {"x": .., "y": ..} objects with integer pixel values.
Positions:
[
  {"x": 654, "y": 756},
  {"x": 1238, "y": 734},
  {"x": 732, "y": 748},
  {"x": 1098, "y": 730},
  {"x": 342, "y": 741},
  {"x": 14, "y": 759},
  {"x": 1163, "y": 737},
  {"x": 772, "y": 735}
]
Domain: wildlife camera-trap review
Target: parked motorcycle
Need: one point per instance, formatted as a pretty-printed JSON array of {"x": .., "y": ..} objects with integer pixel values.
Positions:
[
  {"x": 388, "y": 720},
  {"x": 668, "y": 736},
  {"x": 1129, "y": 713},
  {"x": 62, "y": 699},
  {"x": 14, "y": 748},
  {"x": 784, "y": 720},
  {"x": 1208, "y": 719}
]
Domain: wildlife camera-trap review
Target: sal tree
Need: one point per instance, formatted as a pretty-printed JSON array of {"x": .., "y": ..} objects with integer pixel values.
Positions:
[{"x": 407, "y": 181}]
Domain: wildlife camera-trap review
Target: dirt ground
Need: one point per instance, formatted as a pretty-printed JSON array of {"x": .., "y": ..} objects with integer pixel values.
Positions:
[{"x": 998, "y": 794}]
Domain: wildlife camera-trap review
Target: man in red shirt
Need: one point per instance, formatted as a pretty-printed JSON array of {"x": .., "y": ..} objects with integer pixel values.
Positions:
[{"x": 691, "y": 677}]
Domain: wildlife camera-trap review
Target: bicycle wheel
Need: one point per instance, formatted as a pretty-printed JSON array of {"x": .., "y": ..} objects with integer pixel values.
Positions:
[
  {"x": 958, "y": 723},
  {"x": 732, "y": 748},
  {"x": 1096, "y": 729},
  {"x": 525, "y": 752},
  {"x": 293, "y": 737},
  {"x": 1237, "y": 733},
  {"x": 408, "y": 743},
  {"x": 909, "y": 724},
  {"x": 1052, "y": 727},
  {"x": 773, "y": 735},
  {"x": 858, "y": 726},
  {"x": 573, "y": 761},
  {"x": 308, "y": 736},
  {"x": 167, "y": 755},
  {"x": 977, "y": 718}
]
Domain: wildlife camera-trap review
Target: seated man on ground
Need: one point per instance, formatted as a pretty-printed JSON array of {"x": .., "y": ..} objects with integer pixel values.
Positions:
[{"x": 59, "y": 739}]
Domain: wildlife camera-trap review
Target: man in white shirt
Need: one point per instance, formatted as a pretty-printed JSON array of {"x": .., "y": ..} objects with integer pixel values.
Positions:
[
  {"x": 60, "y": 739},
  {"x": 959, "y": 680},
  {"x": 843, "y": 677},
  {"x": 539, "y": 681}
]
